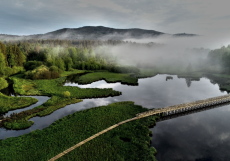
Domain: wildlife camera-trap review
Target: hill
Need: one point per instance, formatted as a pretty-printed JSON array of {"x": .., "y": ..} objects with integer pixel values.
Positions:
[{"x": 93, "y": 33}]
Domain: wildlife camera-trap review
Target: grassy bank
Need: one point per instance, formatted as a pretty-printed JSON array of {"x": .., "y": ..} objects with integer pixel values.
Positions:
[
  {"x": 8, "y": 103},
  {"x": 127, "y": 142},
  {"x": 75, "y": 71},
  {"x": 108, "y": 77},
  {"x": 20, "y": 120},
  {"x": 54, "y": 88},
  {"x": 56, "y": 91}
]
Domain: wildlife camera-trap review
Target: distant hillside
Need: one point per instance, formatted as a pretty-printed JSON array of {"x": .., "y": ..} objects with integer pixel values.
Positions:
[{"x": 92, "y": 33}]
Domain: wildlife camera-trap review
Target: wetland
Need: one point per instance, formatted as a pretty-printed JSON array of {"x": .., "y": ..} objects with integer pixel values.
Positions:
[{"x": 174, "y": 138}]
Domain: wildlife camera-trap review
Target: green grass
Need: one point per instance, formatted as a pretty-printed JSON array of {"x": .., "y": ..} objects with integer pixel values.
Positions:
[
  {"x": 108, "y": 77},
  {"x": 20, "y": 120},
  {"x": 55, "y": 90},
  {"x": 8, "y": 103},
  {"x": 64, "y": 133},
  {"x": 75, "y": 71}
]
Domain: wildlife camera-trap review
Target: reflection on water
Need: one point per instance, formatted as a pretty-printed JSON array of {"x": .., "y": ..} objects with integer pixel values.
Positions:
[
  {"x": 197, "y": 136},
  {"x": 155, "y": 92},
  {"x": 201, "y": 136},
  {"x": 41, "y": 100}
]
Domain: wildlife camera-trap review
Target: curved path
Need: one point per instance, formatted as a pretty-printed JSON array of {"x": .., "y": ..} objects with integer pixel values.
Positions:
[
  {"x": 91, "y": 138},
  {"x": 166, "y": 111}
]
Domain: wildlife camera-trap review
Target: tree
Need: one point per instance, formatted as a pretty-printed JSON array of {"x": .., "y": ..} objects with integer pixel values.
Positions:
[
  {"x": 3, "y": 83},
  {"x": 19, "y": 57},
  {"x": 2, "y": 63},
  {"x": 68, "y": 63},
  {"x": 11, "y": 60},
  {"x": 60, "y": 63},
  {"x": 3, "y": 50}
]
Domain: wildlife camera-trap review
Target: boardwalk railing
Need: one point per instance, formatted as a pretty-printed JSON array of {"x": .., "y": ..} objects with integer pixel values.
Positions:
[
  {"x": 172, "y": 116},
  {"x": 176, "y": 109},
  {"x": 186, "y": 106}
]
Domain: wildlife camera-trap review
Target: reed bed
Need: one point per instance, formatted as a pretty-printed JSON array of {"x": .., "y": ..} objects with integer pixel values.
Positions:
[
  {"x": 41, "y": 145},
  {"x": 108, "y": 77},
  {"x": 8, "y": 103}
]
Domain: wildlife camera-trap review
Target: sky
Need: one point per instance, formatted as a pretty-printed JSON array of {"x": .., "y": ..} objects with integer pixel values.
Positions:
[{"x": 25, "y": 17}]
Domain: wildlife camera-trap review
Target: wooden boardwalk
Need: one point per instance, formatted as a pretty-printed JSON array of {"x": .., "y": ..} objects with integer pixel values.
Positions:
[
  {"x": 90, "y": 138},
  {"x": 172, "y": 116},
  {"x": 186, "y": 106},
  {"x": 181, "y": 108},
  {"x": 166, "y": 111}
]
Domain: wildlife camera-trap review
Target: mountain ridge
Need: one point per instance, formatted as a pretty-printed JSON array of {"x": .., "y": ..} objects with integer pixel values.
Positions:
[{"x": 95, "y": 33}]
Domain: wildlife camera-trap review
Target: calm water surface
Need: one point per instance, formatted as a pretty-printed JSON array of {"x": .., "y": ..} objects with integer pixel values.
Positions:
[{"x": 199, "y": 136}]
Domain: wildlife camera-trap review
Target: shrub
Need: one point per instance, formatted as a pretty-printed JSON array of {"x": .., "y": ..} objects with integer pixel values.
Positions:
[
  {"x": 3, "y": 83},
  {"x": 10, "y": 71},
  {"x": 31, "y": 65},
  {"x": 54, "y": 68},
  {"x": 66, "y": 94},
  {"x": 43, "y": 72}
]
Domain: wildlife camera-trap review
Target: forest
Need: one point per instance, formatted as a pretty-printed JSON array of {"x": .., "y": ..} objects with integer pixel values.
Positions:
[{"x": 47, "y": 59}]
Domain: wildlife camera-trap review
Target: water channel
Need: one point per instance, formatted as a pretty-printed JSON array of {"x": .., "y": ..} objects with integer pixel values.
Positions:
[{"x": 200, "y": 136}]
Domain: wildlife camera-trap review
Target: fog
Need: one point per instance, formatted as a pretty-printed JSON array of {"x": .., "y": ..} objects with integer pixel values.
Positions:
[{"x": 169, "y": 52}]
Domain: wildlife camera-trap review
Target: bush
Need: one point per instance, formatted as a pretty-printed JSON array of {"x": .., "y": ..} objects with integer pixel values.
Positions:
[
  {"x": 10, "y": 71},
  {"x": 31, "y": 65},
  {"x": 66, "y": 94},
  {"x": 43, "y": 72},
  {"x": 54, "y": 68},
  {"x": 3, "y": 83}
]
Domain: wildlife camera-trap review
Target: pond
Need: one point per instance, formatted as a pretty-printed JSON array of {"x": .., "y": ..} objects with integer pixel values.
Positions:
[{"x": 197, "y": 136}]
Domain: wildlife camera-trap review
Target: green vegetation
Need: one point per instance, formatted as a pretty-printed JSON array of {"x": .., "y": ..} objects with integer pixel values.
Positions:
[
  {"x": 108, "y": 77},
  {"x": 11, "y": 59},
  {"x": 8, "y": 103},
  {"x": 60, "y": 97},
  {"x": 129, "y": 141},
  {"x": 76, "y": 71},
  {"x": 43, "y": 72},
  {"x": 219, "y": 60},
  {"x": 20, "y": 120},
  {"x": 3, "y": 83},
  {"x": 66, "y": 94},
  {"x": 147, "y": 72},
  {"x": 54, "y": 88}
]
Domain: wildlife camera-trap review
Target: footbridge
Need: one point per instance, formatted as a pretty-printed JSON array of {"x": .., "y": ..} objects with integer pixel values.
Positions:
[
  {"x": 186, "y": 107},
  {"x": 172, "y": 116}
]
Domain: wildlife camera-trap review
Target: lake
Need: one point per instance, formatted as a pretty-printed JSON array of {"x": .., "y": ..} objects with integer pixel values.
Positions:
[{"x": 199, "y": 136}]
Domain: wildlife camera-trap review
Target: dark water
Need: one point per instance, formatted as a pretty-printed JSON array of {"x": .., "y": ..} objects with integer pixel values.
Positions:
[
  {"x": 203, "y": 136},
  {"x": 199, "y": 136},
  {"x": 41, "y": 100}
]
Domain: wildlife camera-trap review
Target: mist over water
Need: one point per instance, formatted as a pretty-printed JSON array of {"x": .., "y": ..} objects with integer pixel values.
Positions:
[{"x": 168, "y": 51}]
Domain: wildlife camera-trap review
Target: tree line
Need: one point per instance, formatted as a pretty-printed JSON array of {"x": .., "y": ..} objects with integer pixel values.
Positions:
[
  {"x": 11, "y": 59},
  {"x": 220, "y": 58}
]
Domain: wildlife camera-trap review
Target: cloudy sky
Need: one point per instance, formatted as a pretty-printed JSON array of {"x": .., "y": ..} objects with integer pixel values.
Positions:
[{"x": 23, "y": 17}]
